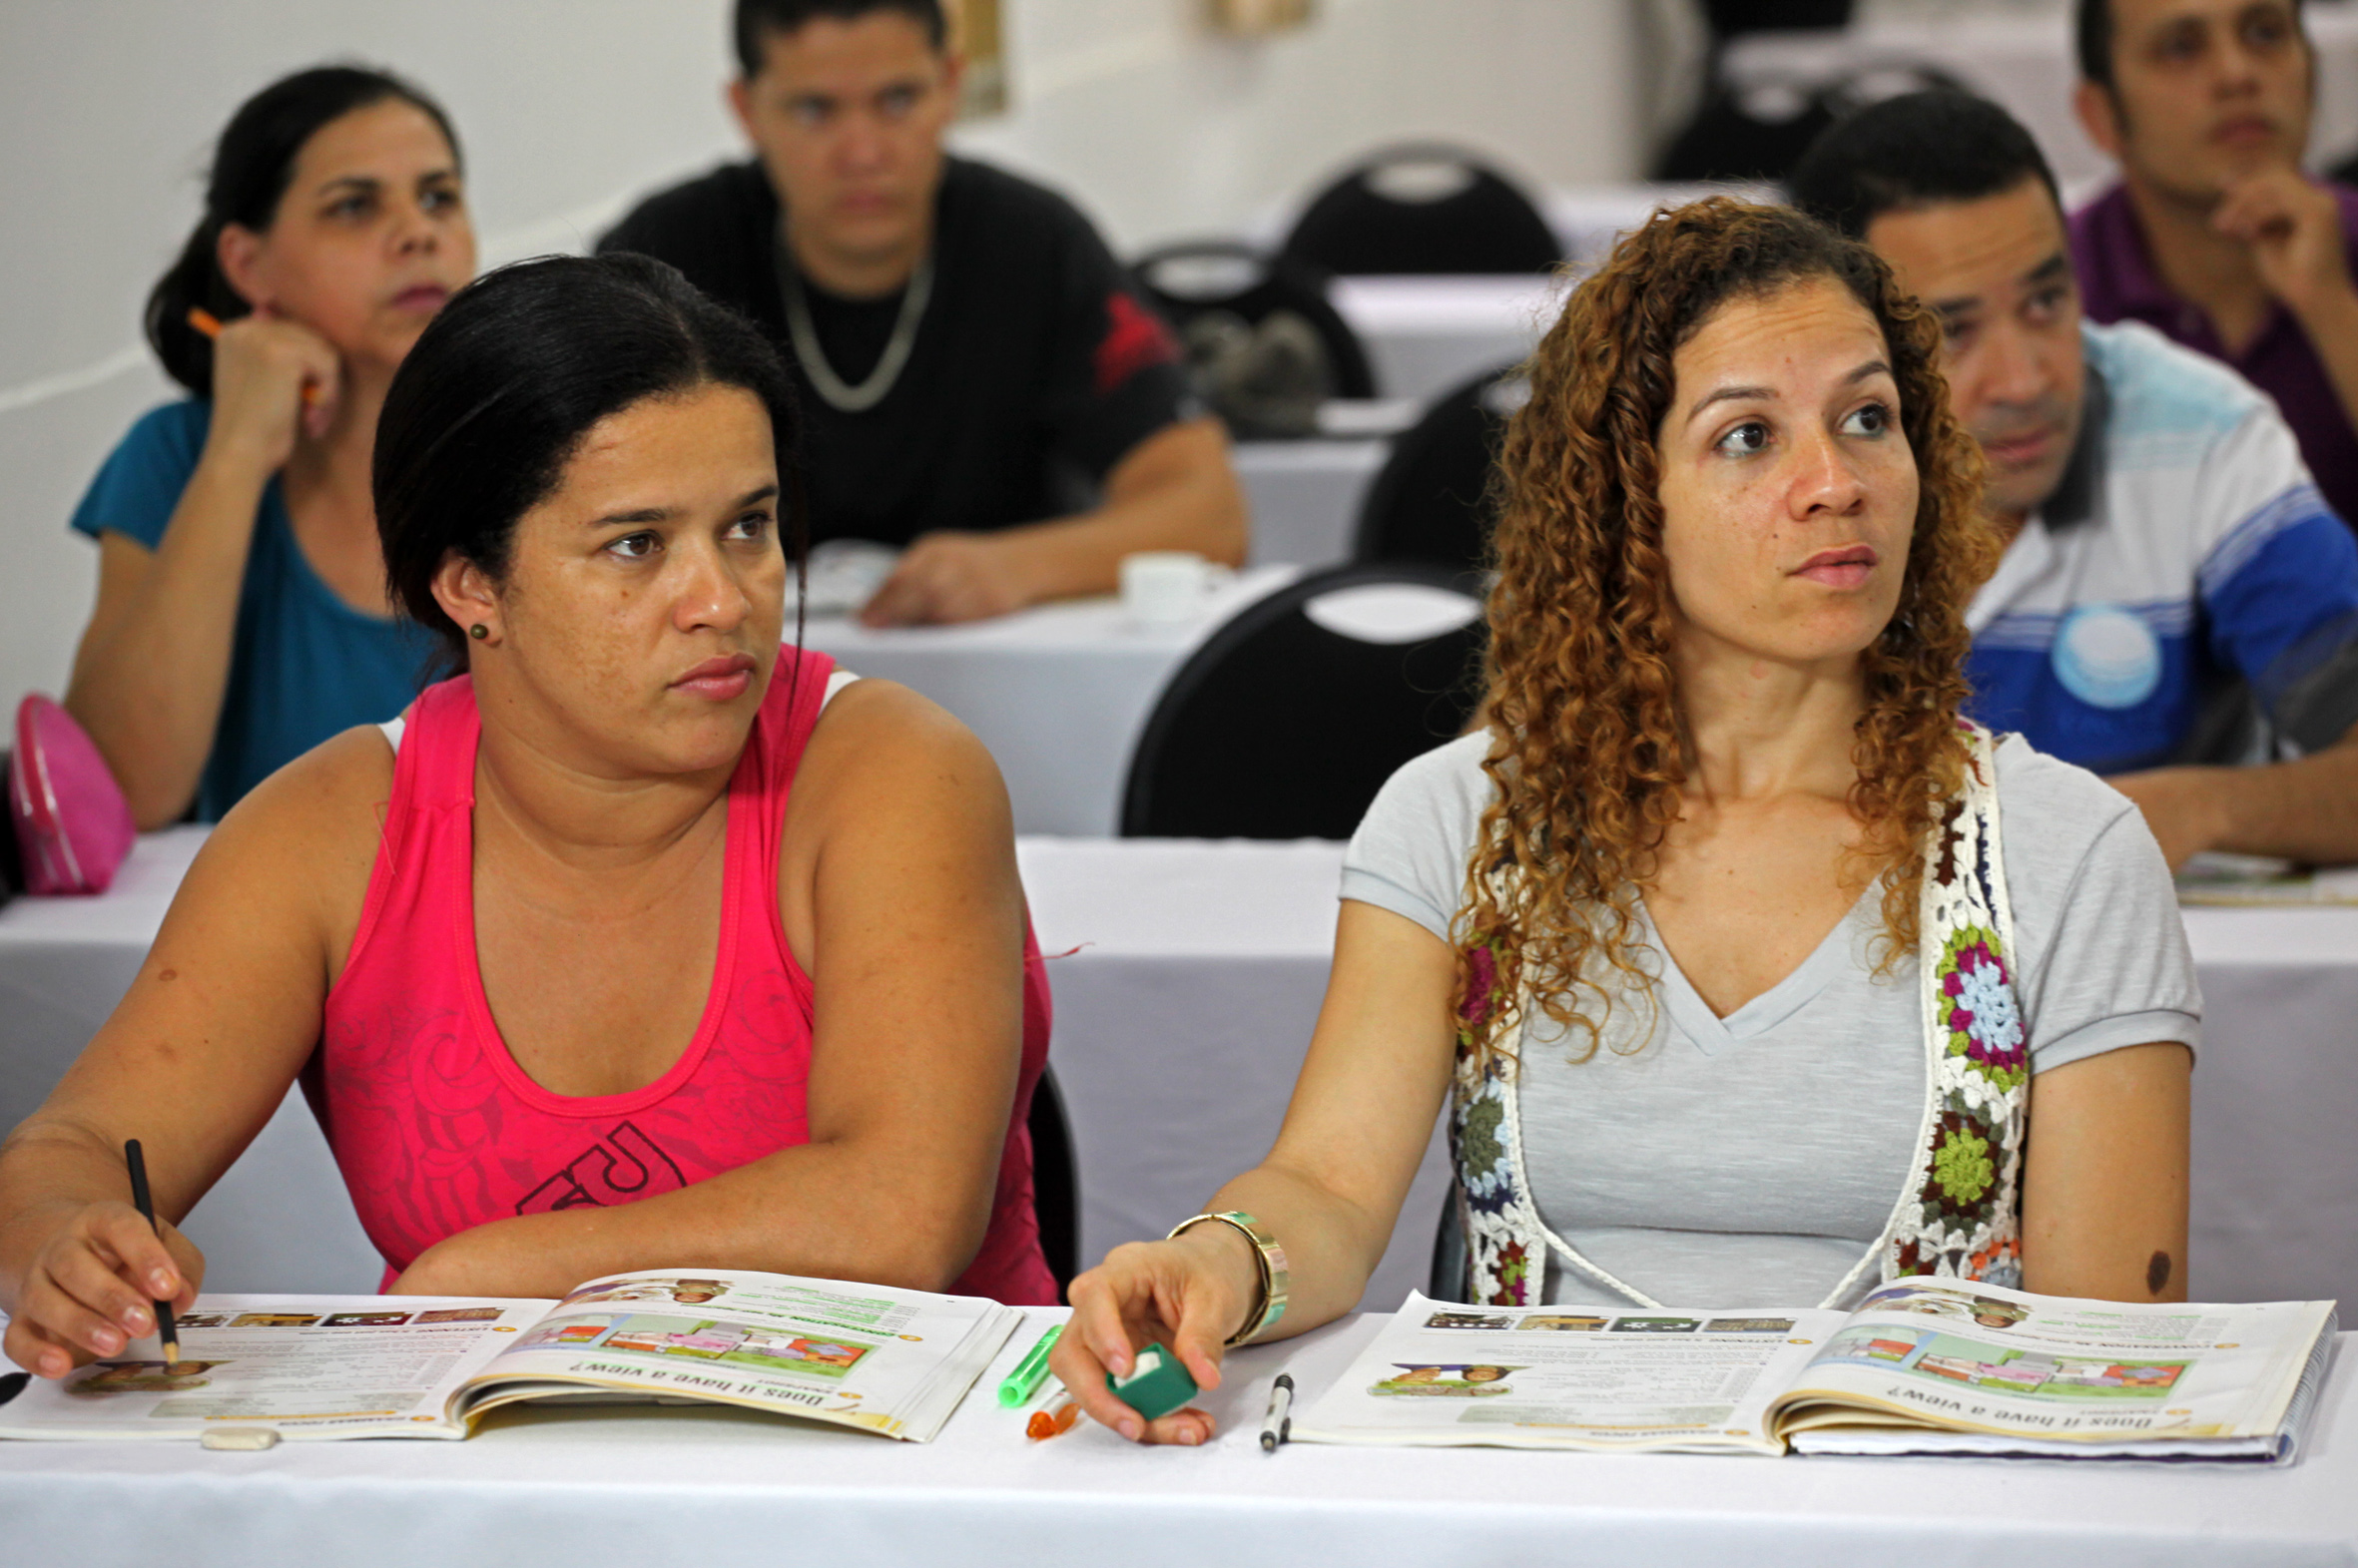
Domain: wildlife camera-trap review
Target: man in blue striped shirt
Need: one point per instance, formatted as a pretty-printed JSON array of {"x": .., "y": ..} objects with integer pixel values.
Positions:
[{"x": 2176, "y": 603}]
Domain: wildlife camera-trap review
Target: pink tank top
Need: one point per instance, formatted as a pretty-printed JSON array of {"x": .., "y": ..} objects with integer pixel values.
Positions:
[{"x": 436, "y": 1128}]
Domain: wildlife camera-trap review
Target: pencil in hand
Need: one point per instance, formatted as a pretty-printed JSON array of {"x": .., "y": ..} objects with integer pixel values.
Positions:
[
  {"x": 166, "y": 1328},
  {"x": 206, "y": 321}
]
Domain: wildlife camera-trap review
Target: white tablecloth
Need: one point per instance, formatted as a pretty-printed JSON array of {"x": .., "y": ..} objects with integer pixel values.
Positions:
[
  {"x": 1305, "y": 496},
  {"x": 1425, "y": 335},
  {"x": 2025, "y": 64},
  {"x": 599, "y": 1487},
  {"x": 1058, "y": 692},
  {"x": 1428, "y": 335},
  {"x": 1181, "y": 1022}
]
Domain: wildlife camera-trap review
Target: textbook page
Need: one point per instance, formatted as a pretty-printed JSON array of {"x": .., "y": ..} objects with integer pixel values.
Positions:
[
  {"x": 312, "y": 1367},
  {"x": 1570, "y": 1378},
  {"x": 1980, "y": 1359},
  {"x": 2253, "y": 879},
  {"x": 865, "y": 1356}
]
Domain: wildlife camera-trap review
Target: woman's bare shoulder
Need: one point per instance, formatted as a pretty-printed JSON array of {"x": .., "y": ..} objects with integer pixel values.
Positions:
[
  {"x": 881, "y": 746},
  {"x": 312, "y": 826}
]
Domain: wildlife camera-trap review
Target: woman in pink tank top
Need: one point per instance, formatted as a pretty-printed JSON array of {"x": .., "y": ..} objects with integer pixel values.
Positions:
[{"x": 645, "y": 942}]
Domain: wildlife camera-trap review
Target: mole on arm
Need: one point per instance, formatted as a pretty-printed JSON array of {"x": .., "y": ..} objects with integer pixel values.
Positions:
[{"x": 2157, "y": 1274}]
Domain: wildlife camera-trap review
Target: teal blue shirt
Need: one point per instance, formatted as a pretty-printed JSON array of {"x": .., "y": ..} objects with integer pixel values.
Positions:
[{"x": 305, "y": 664}]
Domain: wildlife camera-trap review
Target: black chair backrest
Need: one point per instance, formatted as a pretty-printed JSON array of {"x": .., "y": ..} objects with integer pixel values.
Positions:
[
  {"x": 1430, "y": 499},
  {"x": 1198, "y": 278},
  {"x": 1289, "y": 719},
  {"x": 1445, "y": 1281},
  {"x": 1756, "y": 131},
  {"x": 1056, "y": 1181},
  {"x": 1424, "y": 209}
]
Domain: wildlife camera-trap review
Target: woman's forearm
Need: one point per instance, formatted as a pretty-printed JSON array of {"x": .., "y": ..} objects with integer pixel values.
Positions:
[
  {"x": 833, "y": 1211},
  {"x": 152, "y": 668},
  {"x": 1332, "y": 1244}
]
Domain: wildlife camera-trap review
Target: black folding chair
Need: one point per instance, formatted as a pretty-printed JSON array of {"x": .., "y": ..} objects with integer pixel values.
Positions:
[
  {"x": 1445, "y": 1281},
  {"x": 1757, "y": 131},
  {"x": 1203, "y": 281},
  {"x": 1424, "y": 207},
  {"x": 1289, "y": 719},
  {"x": 1430, "y": 500},
  {"x": 1056, "y": 1181}
]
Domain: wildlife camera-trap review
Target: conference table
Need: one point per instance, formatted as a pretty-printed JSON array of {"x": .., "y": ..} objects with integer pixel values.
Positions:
[
  {"x": 1306, "y": 495},
  {"x": 597, "y": 1485},
  {"x": 1188, "y": 979},
  {"x": 1425, "y": 335},
  {"x": 1058, "y": 691}
]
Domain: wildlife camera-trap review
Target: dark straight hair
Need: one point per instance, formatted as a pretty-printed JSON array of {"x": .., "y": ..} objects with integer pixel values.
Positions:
[
  {"x": 756, "y": 18},
  {"x": 253, "y": 163},
  {"x": 2093, "y": 38},
  {"x": 1915, "y": 150},
  {"x": 507, "y": 381}
]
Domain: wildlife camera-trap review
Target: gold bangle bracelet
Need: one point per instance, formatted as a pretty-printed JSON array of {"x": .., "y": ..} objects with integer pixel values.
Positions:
[{"x": 1268, "y": 1256}]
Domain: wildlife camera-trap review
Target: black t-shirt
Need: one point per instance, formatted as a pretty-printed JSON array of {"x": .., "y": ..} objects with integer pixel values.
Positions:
[{"x": 1035, "y": 365}]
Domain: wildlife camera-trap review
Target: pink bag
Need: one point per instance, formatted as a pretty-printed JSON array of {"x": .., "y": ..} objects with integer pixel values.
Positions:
[{"x": 70, "y": 817}]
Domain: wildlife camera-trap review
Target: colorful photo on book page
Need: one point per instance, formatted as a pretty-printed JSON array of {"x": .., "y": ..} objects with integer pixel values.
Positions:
[
  {"x": 665, "y": 1337},
  {"x": 1557, "y": 1378}
]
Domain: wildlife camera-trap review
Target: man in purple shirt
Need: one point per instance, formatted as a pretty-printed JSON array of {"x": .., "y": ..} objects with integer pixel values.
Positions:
[{"x": 2214, "y": 236}]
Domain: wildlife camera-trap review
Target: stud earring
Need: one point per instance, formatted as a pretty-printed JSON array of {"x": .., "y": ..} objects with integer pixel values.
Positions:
[{"x": 478, "y": 631}]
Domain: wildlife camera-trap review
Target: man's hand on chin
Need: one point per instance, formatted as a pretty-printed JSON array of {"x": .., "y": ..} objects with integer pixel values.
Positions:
[{"x": 2293, "y": 227}]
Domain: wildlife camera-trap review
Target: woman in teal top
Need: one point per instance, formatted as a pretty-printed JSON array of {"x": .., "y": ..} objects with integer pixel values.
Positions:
[{"x": 242, "y": 613}]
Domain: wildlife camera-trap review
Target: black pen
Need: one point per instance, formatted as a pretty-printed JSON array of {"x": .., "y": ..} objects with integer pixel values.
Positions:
[
  {"x": 1277, "y": 1424},
  {"x": 165, "y": 1329}
]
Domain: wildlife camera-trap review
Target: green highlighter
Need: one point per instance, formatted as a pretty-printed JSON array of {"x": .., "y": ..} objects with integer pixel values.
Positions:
[
  {"x": 1157, "y": 1384},
  {"x": 1024, "y": 1382}
]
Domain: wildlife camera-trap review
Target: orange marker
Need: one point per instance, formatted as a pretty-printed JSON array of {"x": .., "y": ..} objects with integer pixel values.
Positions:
[
  {"x": 206, "y": 321},
  {"x": 1055, "y": 1419}
]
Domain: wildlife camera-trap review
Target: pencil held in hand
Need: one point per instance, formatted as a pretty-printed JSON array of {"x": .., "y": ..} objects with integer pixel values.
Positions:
[
  {"x": 206, "y": 321},
  {"x": 166, "y": 1328}
]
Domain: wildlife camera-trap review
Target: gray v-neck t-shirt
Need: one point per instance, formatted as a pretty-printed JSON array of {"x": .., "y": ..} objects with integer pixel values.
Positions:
[{"x": 1751, "y": 1160}]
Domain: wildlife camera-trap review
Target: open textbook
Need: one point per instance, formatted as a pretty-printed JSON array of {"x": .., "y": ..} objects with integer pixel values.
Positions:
[
  {"x": 2256, "y": 879},
  {"x": 1923, "y": 1367},
  {"x": 861, "y": 1355}
]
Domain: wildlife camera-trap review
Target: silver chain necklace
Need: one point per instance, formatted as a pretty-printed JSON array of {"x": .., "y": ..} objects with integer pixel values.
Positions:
[{"x": 839, "y": 393}]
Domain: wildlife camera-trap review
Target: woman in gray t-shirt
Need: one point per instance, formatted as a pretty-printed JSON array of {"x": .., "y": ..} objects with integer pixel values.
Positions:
[{"x": 1739, "y": 960}]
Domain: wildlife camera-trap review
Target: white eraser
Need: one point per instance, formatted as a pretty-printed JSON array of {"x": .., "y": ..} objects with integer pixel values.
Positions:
[{"x": 241, "y": 1440}]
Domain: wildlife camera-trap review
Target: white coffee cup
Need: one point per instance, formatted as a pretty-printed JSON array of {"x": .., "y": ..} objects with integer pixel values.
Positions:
[{"x": 1167, "y": 587}]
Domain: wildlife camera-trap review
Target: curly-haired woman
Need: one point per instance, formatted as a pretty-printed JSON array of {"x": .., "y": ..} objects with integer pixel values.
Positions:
[{"x": 1738, "y": 958}]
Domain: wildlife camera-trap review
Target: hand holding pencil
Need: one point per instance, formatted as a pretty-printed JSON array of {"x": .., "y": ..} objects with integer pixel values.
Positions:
[
  {"x": 271, "y": 374},
  {"x": 88, "y": 1275},
  {"x": 166, "y": 1329}
]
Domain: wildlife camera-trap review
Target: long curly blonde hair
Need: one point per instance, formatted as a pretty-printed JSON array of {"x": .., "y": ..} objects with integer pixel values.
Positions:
[{"x": 1587, "y": 751}]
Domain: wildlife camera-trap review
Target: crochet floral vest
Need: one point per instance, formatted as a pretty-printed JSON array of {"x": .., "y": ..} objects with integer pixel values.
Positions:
[{"x": 1960, "y": 1211}]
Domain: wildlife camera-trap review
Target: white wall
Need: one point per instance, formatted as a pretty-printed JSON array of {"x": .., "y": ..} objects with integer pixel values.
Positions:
[{"x": 570, "y": 107}]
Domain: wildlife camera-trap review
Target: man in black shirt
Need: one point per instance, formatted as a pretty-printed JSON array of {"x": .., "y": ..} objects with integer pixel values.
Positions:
[{"x": 971, "y": 356}]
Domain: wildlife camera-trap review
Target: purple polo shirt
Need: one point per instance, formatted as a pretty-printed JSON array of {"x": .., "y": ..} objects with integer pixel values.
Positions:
[{"x": 2117, "y": 283}]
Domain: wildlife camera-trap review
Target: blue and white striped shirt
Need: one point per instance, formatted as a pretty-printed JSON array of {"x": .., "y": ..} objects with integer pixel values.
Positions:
[{"x": 2188, "y": 555}]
